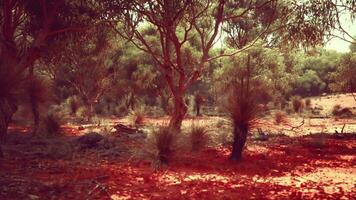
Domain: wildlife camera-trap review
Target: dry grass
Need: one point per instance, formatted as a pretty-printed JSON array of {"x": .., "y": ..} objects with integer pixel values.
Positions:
[
  {"x": 158, "y": 147},
  {"x": 298, "y": 104},
  {"x": 280, "y": 117},
  {"x": 51, "y": 125},
  {"x": 137, "y": 117},
  {"x": 199, "y": 138}
]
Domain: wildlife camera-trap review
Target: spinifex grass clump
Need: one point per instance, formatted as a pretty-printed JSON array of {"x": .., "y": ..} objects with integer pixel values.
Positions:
[
  {"x": 159, "y": 146},
  {"x": 137, "y": 116},
  {"x": 280, "y": 117},
  {"x": 199, "y": 137},
  {"x": 51, "y": 125}
]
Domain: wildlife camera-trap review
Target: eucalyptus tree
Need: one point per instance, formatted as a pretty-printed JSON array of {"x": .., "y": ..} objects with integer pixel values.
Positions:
[
  {"x": 282, "y": 24},
  {"x": 344, "y": 77},
  {"x": 175, "y": 22},
  {"x": 245, "y": 22},
  {"x": 26, "y": 30}
]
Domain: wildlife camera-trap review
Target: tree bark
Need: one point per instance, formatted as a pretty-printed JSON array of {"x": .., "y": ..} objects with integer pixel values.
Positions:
[
  {"x": 240, "y": 135},
  {"x": 180, "y": 109}
]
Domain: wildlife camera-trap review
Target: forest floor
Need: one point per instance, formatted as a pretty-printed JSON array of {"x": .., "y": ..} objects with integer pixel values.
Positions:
[{"x": 298, "y": 160}]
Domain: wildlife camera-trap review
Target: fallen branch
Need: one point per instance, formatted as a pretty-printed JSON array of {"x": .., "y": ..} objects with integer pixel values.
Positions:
[
  {"x": 297, "y": 127},
  {"x": 342, "y": 129},
  {"x": 120, "y": 128},
  {"x": 100, "y": 187}
]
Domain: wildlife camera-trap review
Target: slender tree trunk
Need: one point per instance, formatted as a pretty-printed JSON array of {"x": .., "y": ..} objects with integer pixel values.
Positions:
[
  {"x": 240, "y": 135},
  {"x": 180, "y": 109},
  {"x": 36, "y": 114},
  {"x": 198, "y": 109},
  {"x": 34, "y": 102},
  {"x": 90, "y": 111},
  {"x": 7, "y": 109},
  {"x": 1, "y": 153}
]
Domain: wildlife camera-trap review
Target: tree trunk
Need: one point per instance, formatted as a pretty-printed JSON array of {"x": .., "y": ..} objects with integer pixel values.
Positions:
[
  {"x": 240, "y": 135},
  {"x": 90, "y": 111},
  {"x": 180, "y": 109},
  {"x": 1, "y": 153},
  {"x": 35, "y": 113},
  {"x": 34, "y": 100},
  {"x": 7, "y": 109}
]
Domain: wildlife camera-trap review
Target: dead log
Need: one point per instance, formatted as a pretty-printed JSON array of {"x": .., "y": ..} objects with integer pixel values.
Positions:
[{"x": 120, "y": 128}]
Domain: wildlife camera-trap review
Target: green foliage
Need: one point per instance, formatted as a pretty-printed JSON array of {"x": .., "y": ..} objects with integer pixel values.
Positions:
[
  {"x": 344, "y": 77},
  {"x": 308, "y": 84},
  {"x": 267, "y": 73},
  {"x": 312, "y": 72}
]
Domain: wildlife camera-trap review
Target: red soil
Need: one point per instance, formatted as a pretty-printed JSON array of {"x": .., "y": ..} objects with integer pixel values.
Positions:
[{"x": 278, "y": 169}]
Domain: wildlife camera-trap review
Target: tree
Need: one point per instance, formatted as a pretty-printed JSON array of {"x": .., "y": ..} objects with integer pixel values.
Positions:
[
  {"x": 183, "y": 22},
  {"x": 308, "y": 84},
  {"x": 84, "y": 64},
  {"x": 249, "y": 78},
  {"x": 137, "y": 77},
  {"x": 25, "y": 30},
  {"x": 277, "y": 24},
  {"x": 344, "y": 77},
  {"x": 175, "y": 22}
]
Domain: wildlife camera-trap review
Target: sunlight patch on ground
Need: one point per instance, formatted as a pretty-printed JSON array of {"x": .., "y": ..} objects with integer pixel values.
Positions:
[
  {"x": 350, "y": 158},
  {"x": 330, "y": 179},
  {"x": 173, "y": 179}
]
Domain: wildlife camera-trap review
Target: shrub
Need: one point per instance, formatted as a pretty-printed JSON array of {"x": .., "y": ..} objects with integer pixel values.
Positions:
[
  {"x": 336, "y": 109},
  {"x": 198, "y": 138},
  {"x": 164, "y": 139},
  {"x": 280, "y": 117},
  {"x": 297, "y": 104},
  {"x": 51, "y": 125},
  {"x": 137, "y": 116},
  {"x": 120, "y": 110},
  {"x": 73, "y": 105},
  {"x": 159, "y": 146},
  {"x": 307, "y": 103},
  {"x": 289, "y": 110},
  {"x": 341, "y": 112},
  {"x": 81, "y": 114}
]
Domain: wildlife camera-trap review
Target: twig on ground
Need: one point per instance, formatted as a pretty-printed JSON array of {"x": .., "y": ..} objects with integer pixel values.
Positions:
[
  {"x": 342, "y": 130},
  {"x": 297, "y": 127}
]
